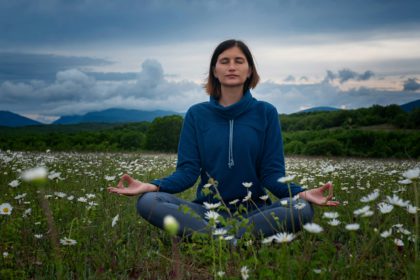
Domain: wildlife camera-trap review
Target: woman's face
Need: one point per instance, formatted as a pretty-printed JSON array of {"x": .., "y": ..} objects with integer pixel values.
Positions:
[{"x": 232, "y": 68}]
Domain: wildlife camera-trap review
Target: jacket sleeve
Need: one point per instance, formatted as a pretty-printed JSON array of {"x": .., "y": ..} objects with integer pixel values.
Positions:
[
  {"x": 272, "y": 165},
  {"x": 188, "y": 164}
]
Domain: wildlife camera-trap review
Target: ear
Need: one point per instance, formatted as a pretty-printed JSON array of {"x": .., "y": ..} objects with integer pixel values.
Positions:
[
  {"x": 214, "y": 73},
  {"x": 249, "y": 73}
]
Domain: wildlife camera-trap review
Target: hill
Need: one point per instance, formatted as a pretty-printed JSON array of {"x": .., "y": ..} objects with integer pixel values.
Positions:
[
  {"x": 410, "y": 106},
  {"x": 318, "y": 109},
  {"x": 14, "y": 120},
  {"x": 114, "y": 115}
]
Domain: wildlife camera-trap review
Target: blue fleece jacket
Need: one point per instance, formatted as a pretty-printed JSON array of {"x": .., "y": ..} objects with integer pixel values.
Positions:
[{"x": 234, "y": 144}]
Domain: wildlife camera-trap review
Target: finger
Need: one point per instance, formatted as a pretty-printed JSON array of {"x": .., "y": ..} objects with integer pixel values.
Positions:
[
  {"x": 127, "y": 178},
  {"x": 121, "y": 182},
  {"x": 333, "y": 203}
]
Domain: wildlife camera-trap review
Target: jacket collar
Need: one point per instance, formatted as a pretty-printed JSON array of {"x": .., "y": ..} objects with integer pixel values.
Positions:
[{"x": 234, "y": 110}]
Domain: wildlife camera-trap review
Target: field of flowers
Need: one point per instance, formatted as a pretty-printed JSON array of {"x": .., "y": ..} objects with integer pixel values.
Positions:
[{"x": 68, "y": 225}]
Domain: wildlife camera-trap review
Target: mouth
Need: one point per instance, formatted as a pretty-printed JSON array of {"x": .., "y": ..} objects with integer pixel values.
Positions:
[{"x": 232, "y": 76}]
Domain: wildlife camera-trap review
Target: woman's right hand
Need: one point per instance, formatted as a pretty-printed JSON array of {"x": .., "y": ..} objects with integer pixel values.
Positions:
[{"x": 134, "y": 187}]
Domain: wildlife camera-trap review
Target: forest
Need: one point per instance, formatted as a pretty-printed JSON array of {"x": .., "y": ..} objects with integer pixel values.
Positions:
[{"x": 377, "y": 131}]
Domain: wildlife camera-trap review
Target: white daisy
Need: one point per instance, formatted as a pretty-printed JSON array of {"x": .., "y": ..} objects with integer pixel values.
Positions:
[
  {"x": 286, "y": 179},
  {"x": 109, "y": 178},
  {"x": 14, "y": 183},
  {"x": 268, "y": 240},
  {"x": 210, "y": 206},
  {"x": 330, "y": 215},
  {"x": 352, "y": 226},
  {"x": 299, "y": 206},
  {"x": 385, "y": 208},
  {"x": 334, "y": 222},
  {"x": 411, "y": 209},
  {"x": 264, "y": 197},
  {"x": 212, "y": 215},
  {"x": 247, "y": 184},
  {"x": 234, "y": 201},
  {"x": 386, "y": 233},
  {"x": 405, "y": 182},
  {"x": 370, "y": 197},
  {"x": 244, "y": 272},
  {"x": 6, "y": 209},
  {"x": 34, "y": 174},
  {"x": 219, "y": 231},
  {"x": 247, "y": 197},
  {"x": 313, "y": 228},
  {"x": 115, "y": 220},
  {"x": 412, "y": 173},
  {"x": 395, "y": 200},
  {"x": 362, "y": 210},
  {"x": 67, "y": 241},
  {"x": 284, "y": 237}
]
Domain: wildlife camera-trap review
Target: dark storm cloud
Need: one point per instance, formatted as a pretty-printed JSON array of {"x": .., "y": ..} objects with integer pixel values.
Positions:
[
  {"x": 74, "y": 92},
  {"x": 345, "y": 75},
  {"x": 27, "y": 66},
  {"x": 292, "y": 98},
  {"x": 47, "y": 22},
  {"x": 411, "y": 84}
]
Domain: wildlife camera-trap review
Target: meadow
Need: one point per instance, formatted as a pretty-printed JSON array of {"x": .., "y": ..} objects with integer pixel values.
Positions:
[{"x": 69, "y": 227}]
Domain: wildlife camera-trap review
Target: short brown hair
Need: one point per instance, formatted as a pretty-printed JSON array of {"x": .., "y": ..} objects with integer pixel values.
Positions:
[{"x": 212, "y": 84}]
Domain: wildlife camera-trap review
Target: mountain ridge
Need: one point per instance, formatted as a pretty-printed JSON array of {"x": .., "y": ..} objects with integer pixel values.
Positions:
[
  {"x": 119, "y": 115},
  {"x": 11, "y": 119}
]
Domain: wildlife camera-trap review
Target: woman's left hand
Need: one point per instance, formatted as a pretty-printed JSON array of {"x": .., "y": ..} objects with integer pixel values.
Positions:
[{"x": 316, "y": 196}]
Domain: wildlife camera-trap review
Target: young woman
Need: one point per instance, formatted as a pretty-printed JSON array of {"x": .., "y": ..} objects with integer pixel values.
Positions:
[{"x": 233, "y": 143}]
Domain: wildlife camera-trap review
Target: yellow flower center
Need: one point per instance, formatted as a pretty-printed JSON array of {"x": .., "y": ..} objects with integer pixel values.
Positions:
[{"x": 5, "y": 210}]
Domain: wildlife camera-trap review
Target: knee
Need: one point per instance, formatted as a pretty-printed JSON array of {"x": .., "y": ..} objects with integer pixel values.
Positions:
[
  {"x": 146, "y": 202},
  {"x": 307, "y": 212}
]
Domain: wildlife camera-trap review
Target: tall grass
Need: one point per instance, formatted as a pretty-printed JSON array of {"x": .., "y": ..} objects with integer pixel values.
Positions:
[{"x": 76, "y": 205}]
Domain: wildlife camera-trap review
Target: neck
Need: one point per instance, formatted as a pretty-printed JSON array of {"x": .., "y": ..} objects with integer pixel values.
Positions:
[{"x": 230, "y": 96}]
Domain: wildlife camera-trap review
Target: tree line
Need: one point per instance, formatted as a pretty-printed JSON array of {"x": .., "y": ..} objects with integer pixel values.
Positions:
[{"x": 378, "y": 131}]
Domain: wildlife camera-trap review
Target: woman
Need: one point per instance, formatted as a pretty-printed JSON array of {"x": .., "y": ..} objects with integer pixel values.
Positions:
[{"x": 233, "y": 142}]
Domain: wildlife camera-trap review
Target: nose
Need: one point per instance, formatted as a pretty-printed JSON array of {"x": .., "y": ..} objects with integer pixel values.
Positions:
[{"x": 231, "y": 66}]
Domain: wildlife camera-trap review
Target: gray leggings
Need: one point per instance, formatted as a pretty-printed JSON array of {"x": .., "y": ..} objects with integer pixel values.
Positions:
[{"x": 265, "y": 221}]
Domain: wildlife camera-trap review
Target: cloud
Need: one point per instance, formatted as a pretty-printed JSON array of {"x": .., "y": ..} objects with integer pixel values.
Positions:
[
  {"x": 345, "y": 75},
  {"x": 411, "y": 84},
  {"x": 31, "y": 66},
  {"x": 61, "y": 22},
  {"x": 290, "y": 78},
  {"x": 291, "y": 98},
  {"x": 76, "y": 92}
]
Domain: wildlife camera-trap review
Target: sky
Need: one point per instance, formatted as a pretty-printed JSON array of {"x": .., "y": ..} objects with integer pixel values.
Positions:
[{"x": 72, "y": 57}]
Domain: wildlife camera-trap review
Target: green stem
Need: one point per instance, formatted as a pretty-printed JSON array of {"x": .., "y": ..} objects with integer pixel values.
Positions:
[{"x": 291, "y": 210}]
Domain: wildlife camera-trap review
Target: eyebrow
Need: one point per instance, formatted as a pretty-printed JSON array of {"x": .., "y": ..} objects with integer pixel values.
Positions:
[{"x": 236, "y": 58}]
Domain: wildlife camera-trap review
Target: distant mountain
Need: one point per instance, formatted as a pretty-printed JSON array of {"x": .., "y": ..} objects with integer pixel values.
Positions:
[
  {"x": 410, "y": 106},
  {"x": 114, "y": 115},
  {"x": 14, "y": 120},
  {"x": 318, "y": 109}
]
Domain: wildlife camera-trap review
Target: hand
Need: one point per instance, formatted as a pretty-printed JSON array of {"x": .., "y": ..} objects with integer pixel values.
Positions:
[
  {"x": 316, "y": 196},
  {"x": 134, "y": 187}
]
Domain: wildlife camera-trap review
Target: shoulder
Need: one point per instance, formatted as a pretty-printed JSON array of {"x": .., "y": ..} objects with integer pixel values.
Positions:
[
  {"x": 196, "y": 111},
  {"x": 267, "y": 108}
]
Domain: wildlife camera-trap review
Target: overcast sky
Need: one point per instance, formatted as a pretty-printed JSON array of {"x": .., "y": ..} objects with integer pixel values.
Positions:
[{"x": 71, "y": 57}]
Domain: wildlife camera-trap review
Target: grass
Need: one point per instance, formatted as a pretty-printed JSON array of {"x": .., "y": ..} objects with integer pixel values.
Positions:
[{"x": 30, "y": 245}]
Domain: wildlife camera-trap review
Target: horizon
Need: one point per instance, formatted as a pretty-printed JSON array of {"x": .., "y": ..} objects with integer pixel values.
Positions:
[
  {"x": 59, "y": 58},
  {"x": 181, "y": 113}
]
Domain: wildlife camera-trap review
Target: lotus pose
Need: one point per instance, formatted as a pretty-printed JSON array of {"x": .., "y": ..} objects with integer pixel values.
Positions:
[{"x": 233, "y": 143}]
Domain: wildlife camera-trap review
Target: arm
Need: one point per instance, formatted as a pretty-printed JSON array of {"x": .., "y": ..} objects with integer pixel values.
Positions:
[
  {"x": 272, "y": 165},
  {"x": 188, "y": 164}
]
